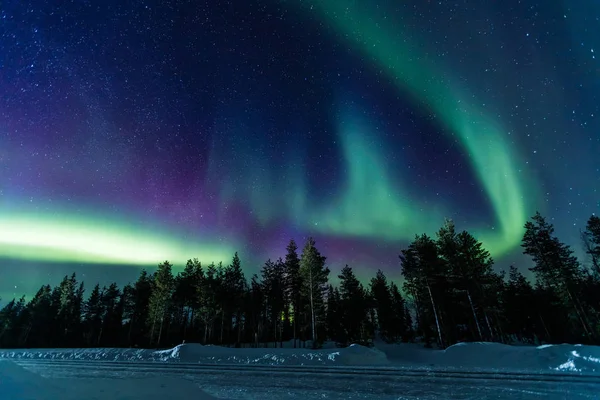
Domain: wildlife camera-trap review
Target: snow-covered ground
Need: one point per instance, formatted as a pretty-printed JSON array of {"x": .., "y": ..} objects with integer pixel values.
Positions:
[{"x": 405, "y": 371}]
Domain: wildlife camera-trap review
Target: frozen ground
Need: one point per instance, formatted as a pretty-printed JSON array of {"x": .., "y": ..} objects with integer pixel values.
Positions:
[{"x": 465, "y": 371}]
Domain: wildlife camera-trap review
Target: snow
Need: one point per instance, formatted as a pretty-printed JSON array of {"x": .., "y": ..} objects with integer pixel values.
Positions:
[
  {"x": 496, "y": 356},
  {"x": 37, "y": 374},
  {"x": 353, "y": 355},
  {"x": 479, "y": 355},
  {"x": 16, "y": 383}
]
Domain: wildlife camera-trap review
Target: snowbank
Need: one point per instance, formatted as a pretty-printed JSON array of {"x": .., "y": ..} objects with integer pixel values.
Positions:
[
  {"x": 19, "y": 384},
  {"x": 496, "y": 356},
  {"x": 353, "y": 355},
  {"x": 488, "y": 356},
  {"x": 99, "y": 354}
]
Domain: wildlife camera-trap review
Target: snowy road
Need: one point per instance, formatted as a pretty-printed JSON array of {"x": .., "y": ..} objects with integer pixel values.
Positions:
[{"x": 298, "y": 382}]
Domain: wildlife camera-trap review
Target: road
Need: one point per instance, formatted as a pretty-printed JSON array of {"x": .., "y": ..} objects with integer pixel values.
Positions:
[{"x": 298, "y": 382}]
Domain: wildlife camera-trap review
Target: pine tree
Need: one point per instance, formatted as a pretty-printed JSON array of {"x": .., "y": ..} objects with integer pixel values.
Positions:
[
  {"x": 425, "y": 279},
  {"x": 39, "y": 318},
  {"x": 478, "y": 279},
  {"x": 209, "y": 296},
  {"x": 384, "y": 309},
  {"x": 591, "y": 238},
  {"x": 136, "y": 308},
  {"x": 185, "y": 295},
  {"x": 112, "y": 316},
  {"x": 273, "y": 282},
  {"x": 255, "y": 309},
  {"x": 556, "y": 268},
  {"x": 399, "y": 317},
  {"x": 70, "y": 306},
  {"x": 293, "y": 283},
  {"x": 518, "y": 299},
  {"x": 160, "y": 300},
  {"x": 354, "y": 306},
  {"x": 235, "y": 285},
  {"x": 9, "y": 322},
  {"x": 93, "y": 315},
  {"x": 315, "y": 276},
  {"x": 334, "y": 316}
]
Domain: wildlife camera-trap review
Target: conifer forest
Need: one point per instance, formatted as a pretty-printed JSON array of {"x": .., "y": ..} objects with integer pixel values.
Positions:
[{"x": 451, "y": 292}]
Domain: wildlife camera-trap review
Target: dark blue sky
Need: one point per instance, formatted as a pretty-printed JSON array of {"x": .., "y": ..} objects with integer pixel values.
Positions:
[{"x": 217, "y": 126}]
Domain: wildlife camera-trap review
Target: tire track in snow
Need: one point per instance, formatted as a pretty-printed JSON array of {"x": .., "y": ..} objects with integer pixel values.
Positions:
[{"x": 91, "y": 368}]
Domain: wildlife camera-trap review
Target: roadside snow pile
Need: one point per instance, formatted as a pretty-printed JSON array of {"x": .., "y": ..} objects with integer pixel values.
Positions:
[
  {"x": 580, "y": 358},
  {"x": 495, "y": 356},
  {"x": 197, "y": 353},
  {"x": 17, "y": 383},
  {"x": 564, "y": 357},
  {"x": 98, "y": 354},
  {"x": 408, "y": 354},
  {"x": 352, "y": 355}
]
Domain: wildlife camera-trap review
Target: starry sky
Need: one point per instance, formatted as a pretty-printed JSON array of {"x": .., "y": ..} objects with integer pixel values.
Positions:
[{"x": 137, "y": 131}]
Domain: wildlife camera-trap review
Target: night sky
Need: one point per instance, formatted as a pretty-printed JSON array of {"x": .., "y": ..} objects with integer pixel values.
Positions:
[{"x": 137, "y": 131}]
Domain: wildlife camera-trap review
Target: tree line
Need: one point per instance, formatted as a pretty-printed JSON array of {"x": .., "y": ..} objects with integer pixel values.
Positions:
[{"x": 450, "y": 293}]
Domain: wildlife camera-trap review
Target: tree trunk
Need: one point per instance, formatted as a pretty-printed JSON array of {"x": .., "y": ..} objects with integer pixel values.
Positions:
[
  {"x": 99, "y": 336},
  {"x": 152, "y": 330},
  {"x": 222, "y": 326},
  {"x": 437, "y": 322},
  {"x": 474, "y": 315},
  {"x": 419, "y": 320},
  {"x": 184, "y": 315},
  {"x": 581, "y": 320},
  {"x": 130, "y": 330},
  {"x": 489, "y": 325},
  {"x": 239, "y": 329},
  {"x": 162, "y": 318},
  {"x": 545, "y": 328},
  {"x": 294, "y": 321},
  {"x": 312, "y": 308}
]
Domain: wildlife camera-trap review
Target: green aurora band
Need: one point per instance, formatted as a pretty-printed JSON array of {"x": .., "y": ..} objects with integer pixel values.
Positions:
[
  {"x": 371, "y": 206},
  {"x": 92, "y": 239}
]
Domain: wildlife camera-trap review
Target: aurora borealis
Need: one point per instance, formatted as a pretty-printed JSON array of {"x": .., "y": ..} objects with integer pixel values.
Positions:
[{"x": 133, "y": 132}]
